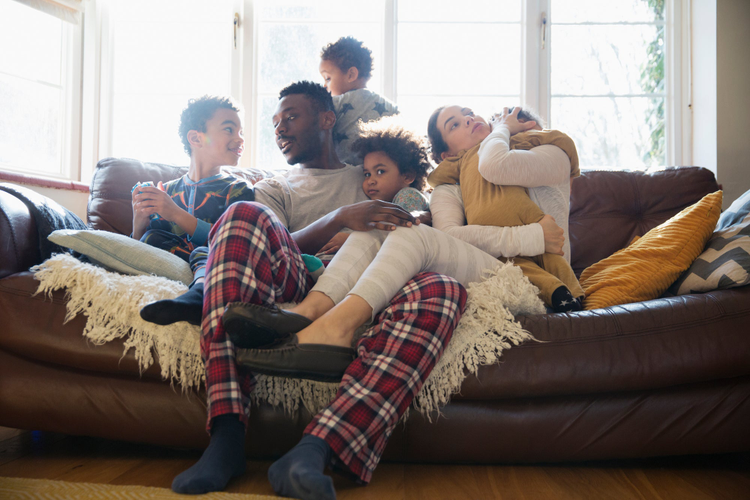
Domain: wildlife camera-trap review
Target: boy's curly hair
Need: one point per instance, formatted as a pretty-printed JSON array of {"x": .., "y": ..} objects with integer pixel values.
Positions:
[
  {"x": 405, "y": 147},
  {"x": 199, "y": 111},
  {"x": 347, "y": 52}
]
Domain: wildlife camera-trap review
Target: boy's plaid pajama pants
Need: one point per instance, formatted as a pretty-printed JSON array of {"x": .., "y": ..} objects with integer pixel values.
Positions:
[{"x": 254, "y": 259}]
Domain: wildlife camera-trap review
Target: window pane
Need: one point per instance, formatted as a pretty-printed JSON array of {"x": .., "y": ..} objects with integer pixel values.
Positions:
[
  {"x": 31, "y": 42},
  {"x": 458, "y": 59},
  {"x": 30, "y": 126},
  {"x": 326, "y": 10},
  {"x": 606, "y": 59},
  {"x": 451, "y": 10},
  {"x": 160, "y": 61},
  {"x": 612, "y": 132},
  {"x": 291, "y": 52},
  {"x": 581, "y": 11},
  {"x": 145, "y": 126}
]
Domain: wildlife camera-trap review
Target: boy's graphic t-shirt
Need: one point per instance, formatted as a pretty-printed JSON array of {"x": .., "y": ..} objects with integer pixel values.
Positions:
[{"x": 205, "y": 200}]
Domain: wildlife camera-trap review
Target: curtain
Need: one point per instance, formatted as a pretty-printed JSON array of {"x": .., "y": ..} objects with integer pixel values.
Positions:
[{"x": 67, "y": 10}]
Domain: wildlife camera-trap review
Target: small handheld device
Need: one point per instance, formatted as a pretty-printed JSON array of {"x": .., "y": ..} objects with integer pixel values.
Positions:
[{"x": 145, "y": 184}]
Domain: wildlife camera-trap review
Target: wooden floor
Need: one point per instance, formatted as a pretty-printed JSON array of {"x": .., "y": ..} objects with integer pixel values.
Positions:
[{"x": 53, "y": 456}]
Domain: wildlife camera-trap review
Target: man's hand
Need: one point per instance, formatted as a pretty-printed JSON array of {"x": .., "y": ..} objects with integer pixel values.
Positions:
[
  {"x": 374, "y": 214},
  {"x": 510, "y": 120},
  {"x": 554, "y": 236},
  {"x": 334, "y": 244}
]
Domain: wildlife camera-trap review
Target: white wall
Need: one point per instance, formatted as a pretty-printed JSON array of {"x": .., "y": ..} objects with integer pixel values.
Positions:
[
  {"x": 733, "y": 97},
  {"x": 703, "y": 79}
]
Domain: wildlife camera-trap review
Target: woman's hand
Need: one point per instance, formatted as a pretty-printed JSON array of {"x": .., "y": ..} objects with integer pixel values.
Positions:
[
  {"x": 510, "y": 120},
  {"x": 554, "y": 236},
  {"x": 334, "y": 244}
]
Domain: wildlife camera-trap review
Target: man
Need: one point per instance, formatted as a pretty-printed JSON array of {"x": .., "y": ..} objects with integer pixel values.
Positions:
[{"x": 255, "y": 258}]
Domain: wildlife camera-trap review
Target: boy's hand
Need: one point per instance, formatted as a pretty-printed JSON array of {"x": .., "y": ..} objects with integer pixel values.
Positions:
[
  {"x": 374, "y": 214},
  {"x": 510, "y": 120},
  {"x": 554, "y": 236},
  {"x": 151, "y": 200},
  {"x": 334, "y": 244}
]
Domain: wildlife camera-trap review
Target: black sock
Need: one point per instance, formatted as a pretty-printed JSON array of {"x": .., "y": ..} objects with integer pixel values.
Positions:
[
  {"x": 223, "y": 460},
  {"x": 187, "y": 307},
  {"x": 563, "y": 301},
  {"x": 299, "y": 473}
]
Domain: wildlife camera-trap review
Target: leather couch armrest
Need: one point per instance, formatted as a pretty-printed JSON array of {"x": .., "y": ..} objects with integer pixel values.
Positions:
[{"x": 19, "y": 241}]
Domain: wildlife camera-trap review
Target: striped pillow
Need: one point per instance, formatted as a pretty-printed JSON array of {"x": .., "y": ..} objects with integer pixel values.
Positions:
[{"x": 725, "y": 263}]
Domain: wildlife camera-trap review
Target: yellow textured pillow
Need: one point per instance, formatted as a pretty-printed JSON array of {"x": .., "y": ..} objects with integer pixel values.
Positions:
[{"x": 645, "y": 269}]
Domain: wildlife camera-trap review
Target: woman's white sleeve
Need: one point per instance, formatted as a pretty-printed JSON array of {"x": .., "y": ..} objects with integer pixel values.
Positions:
[
  {"x": 447, "y": 209},
  {"x": 545, "y": 165}
]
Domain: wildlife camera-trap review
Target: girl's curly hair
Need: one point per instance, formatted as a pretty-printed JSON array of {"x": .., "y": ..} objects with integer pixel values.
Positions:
[{"x": 405, "y": 147}]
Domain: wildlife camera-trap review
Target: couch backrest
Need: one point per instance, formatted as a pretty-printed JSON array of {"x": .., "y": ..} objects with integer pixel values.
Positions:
[
  {"x": 110, "y": 207},
  {"x": 609, "y": 208}
]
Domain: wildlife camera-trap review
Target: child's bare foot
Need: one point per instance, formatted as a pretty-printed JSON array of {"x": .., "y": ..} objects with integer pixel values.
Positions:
[
  {"x": 337, "y": 326},
  {"x": 315, "y": 305}
]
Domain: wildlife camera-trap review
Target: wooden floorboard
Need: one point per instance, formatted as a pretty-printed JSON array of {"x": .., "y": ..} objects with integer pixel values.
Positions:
[{"x": 59, "y": 457}]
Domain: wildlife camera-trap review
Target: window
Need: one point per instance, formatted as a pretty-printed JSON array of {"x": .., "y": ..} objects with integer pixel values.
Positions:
[
  {"x": 38, "y": 99},
  {"x": 607, "y": 81},
  {"x": 607, "y": 73},
  {"x": 177, "y": 51}
]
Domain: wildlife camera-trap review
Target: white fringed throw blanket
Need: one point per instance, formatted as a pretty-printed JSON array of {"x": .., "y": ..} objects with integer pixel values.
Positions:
[{"x": 112, "y": 303}]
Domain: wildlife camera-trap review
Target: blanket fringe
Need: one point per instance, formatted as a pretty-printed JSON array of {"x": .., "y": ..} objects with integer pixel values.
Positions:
[{"x": 112, "y": 304}]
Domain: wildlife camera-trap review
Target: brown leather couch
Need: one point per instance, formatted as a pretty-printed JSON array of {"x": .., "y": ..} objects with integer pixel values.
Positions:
[{"x": 665, "y": 377}]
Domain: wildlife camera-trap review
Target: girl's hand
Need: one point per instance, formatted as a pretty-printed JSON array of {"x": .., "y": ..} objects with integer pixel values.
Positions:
[
  {"x": 333, "y": 246},
  {"x": 149, "y": 200},
  {"x": 510, "y": 120},
  {"x": 554, "y": 236}
]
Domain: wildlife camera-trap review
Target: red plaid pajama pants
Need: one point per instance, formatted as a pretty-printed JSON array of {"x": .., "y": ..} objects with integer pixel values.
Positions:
[{"x": 254, "y": 259}]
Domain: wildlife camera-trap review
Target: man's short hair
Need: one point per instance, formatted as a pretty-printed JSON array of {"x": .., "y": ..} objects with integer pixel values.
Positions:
[
  {"x": 316, "y": 93},
  {"x": 347, "y": 52},
  {"x": 198, "y": 112}
]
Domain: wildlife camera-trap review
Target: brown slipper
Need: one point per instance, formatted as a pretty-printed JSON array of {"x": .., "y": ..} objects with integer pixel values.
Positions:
[
  {"x": 251, "y": 326},
  {"x": 321, "y": 362}
]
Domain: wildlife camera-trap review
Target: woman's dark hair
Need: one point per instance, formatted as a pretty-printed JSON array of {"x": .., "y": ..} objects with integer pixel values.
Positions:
[
  {"x": 405, "y": 147},
  {"x": 437, "y": 144},
  {"x": 198, "y": 112},
  {"x": 347, "y": 52}
]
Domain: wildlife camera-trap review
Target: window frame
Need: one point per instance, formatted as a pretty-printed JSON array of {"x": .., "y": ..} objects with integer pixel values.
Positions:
[
  {"x": 70, "y": 115},
  {"x": 89, "y": 129}
]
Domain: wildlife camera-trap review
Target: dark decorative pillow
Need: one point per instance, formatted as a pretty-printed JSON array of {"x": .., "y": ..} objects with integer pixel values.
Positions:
[{"x": 725, "y": 263}]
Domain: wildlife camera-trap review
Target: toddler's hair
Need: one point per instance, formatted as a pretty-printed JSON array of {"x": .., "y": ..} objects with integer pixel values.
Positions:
[
  {"x": 528, "y": 115},
  {"x": 347, "y": 52},
  {"x": 198, "y": 112},
  {"x": 405, "y": 147},
  {"x": 315, "y": 92}
]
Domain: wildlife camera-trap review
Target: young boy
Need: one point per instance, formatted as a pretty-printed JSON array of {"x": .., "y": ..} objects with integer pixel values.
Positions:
[
  {"x": 457, "y": 137},
  {"x": 177, "y": 216},
  {"x": 346, "y": 67}
]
